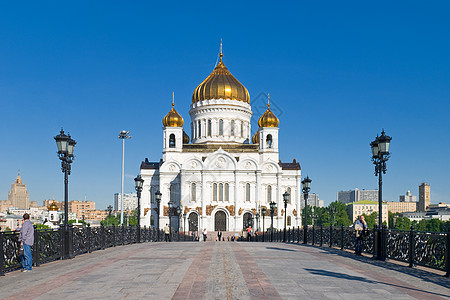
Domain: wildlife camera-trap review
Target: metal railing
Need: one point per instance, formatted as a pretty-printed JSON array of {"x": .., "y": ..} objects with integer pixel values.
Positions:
[
  {"x": 428, "y": 249},
  {"x": 49, "y": 244}
]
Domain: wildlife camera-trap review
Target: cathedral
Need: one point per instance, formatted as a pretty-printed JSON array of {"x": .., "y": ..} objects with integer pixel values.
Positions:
[{"x": 222, "y": 177}]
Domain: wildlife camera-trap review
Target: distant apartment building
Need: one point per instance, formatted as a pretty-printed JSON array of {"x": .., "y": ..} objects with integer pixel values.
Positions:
[
  {"x": 367, "y": 207},
  {"x": 129, "y": 201},
  {"x": 400, "y": 207},
  {"x": 18, "y": 195},
  {"x": 424, "y": 197},
  {"x": 81, "y": 208},
  {"x": 408, "y": 197},
  {"x": 313, "y": 200},
  {"x": 357, "y": 195}
]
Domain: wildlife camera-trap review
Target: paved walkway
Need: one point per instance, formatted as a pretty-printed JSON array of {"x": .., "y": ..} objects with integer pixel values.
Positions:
[{"x": 222, "y": 270}]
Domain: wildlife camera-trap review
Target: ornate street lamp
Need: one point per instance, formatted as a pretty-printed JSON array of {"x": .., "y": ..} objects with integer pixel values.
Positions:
[
  {"x": 139, "y": 183},
  {"x": 306, "y": 186},
  {"x": 272, "y": 211},
  {"x": 170, "y": 204},
  {"x": 380, "y": 155},
  {"x": 158, "y": 196},
  {"x": 65, "y": 146},
  {"x": 123, "y": 135},
  {"x": 263, "y": 210},
  {"x": 285, "y": 199}
]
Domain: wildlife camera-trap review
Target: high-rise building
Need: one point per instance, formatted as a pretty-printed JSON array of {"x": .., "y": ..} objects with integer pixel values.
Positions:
[
  {"x": 408, "y": 197},
  {"x": 129, "y": 201},
  {"x": 424, "y": 197},
  {"x": 18, "y": 195},
  {"x": 313, "y": 200},
  {"x": 357, "y": 195},
  {"x": 81, "y": 208}
]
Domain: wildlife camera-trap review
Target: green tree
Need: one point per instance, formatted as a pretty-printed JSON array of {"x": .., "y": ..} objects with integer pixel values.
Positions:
[
  {"x": 340, "y": 213},
  {"x": 371, "y": 219},
  {"x": 403, "y": 223},
  {"x": 79, "y": 221},
  {"x": 392, "y": 217},
  {"x": 42, "y": 226}
]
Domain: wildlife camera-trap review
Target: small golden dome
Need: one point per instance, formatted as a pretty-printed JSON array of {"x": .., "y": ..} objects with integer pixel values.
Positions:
[
  {"x": 268, "y": 119},
  {"x": 255, "y": 138},
  {"x": 220, "y": 84},
  {"x": 53, "y": 206},
  {"x": 185, "y": 138},
  {"x": 173, "y": 119}
]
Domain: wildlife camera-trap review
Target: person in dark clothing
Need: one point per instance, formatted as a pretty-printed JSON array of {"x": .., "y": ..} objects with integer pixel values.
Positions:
[
  {"x": 360, "y": 226},
  {"x": 219, "y": 235}
]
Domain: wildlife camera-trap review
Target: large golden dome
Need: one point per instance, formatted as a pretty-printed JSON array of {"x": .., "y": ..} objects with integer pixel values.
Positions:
[
  {"x": 220, "y": 84},
  {"x": 268, "y": 119},
  {"x": 53, "y": 207},
  {"x": 255, "y": 138},
  {"x": 173, "y": 119}
]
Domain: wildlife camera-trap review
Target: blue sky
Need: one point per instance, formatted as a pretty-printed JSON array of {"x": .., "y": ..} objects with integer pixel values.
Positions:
[{"x": 337, "y": 72}]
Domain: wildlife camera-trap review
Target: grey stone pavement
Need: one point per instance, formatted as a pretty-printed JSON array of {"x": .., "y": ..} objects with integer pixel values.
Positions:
[{"x": 223, "y": 270}]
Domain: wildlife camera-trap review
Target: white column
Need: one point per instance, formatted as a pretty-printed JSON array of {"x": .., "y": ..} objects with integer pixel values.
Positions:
[
  {"x": 297, "y": 199},
  {"x": 236, "y": 207},
  {"x": 280, "y": 204},
  {"x": 203, "y": 192}
]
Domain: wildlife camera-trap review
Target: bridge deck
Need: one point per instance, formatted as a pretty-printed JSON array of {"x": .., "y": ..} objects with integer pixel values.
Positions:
[{"x": 223, "y": 270}]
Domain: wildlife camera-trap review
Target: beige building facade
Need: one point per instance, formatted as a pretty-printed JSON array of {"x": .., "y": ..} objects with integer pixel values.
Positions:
[
  {"x": 367, "y": 207},
  {"x": 400, "y": 207},
  {"x": 424, "y": 197},
  {"x": 18, "y": 195}
]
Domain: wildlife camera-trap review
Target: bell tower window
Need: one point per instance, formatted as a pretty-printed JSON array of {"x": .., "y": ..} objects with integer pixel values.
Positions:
[
  {"x": 209, "y": 127},
  {"x": 172, "y": 141},
  {"x": 232, "y": 128},
  {"x": 269, "y": 141},
  {"x": 199, "y": 128}
]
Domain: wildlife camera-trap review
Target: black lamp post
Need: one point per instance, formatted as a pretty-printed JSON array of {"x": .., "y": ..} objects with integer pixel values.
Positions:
[
  {"x": 306, "y": 185},
  {"x": 272, "y": 211},
  {"x": 285, "y": 199},
  {"x": 109, "y": 209},
  {"x": 65, "y": 146},
  {"x": 184, "y": 225},
  {"x": 257, "y": 221},
  {"x": 179, "y": 212},
  {"x": 158, "y": 202},
  {"x": 380, "y": 155},
  {"x": 139, "y": 183},
  {"x": 263, "y": 211},
  {"x": 170, "y": 204}
]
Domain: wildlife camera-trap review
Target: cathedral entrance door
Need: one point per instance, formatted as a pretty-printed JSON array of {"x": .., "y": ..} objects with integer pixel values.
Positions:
[
  {"x": 220, "y": 221},
  {"x": 193, "y": 222},
  {"x": 248, "y": 220}
]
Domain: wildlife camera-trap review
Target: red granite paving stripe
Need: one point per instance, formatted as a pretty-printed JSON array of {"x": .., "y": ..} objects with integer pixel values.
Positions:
[
  {"x": 193, "y": 284},
  {"x": 258, "y": 283},
  {"x": 377, "y": 276},
  {"x": 39, "y": 289}
]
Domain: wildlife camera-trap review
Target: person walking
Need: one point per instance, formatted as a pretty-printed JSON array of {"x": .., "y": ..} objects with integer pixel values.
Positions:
[
  {"x": 26, "y": 239},
  {"x": 249, "y": 233},
  {"x": 360, "y": 226},
  {"x": 167, "y": 233},
  {"x": 219, "y": 235},
  {"x": 205, "y": 234}
]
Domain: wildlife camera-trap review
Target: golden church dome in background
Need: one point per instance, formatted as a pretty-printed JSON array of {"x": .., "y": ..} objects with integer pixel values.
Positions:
[
  {"x": 53, "y": 206},
  {"x": 173, "y": 119},
  {"x": 255, "y": 138},
  {"x": 185, "y": 138},
  {"x": 220, "y": 84},
  {"x": 268, "y": 119}
]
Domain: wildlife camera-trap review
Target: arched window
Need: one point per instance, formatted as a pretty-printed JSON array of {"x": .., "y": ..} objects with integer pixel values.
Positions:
[
  {"x": 193, "y": 192},
  {"x": 242, "y": 128},
  {"x": 269, "y": 193},
  {"x": 247, "y": 192},
  {"x": 288, "y": 220},
  {"x": 227, "y": 192},
  {"x": 215, "y": 192},
  {"x": 152, "y": 220},
  {"x": 232, "y": 128},
  {"x": 199, "y": 128},
  {"x": 269, "y": 141},
  {"x": 152, "y": 195},
  {"x": 220, "y": 127},
  {"x": 290, "y": 194},
  {"x": 220, "y": 191},
  {"x": 209, "y": 127},
  {"x": 172, "y": 141}
]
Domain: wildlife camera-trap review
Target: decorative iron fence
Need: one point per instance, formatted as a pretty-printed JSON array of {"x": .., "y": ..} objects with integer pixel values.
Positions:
[
  {"x": 428, "y": 249},
  {"x": 49, "y": 244}
]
